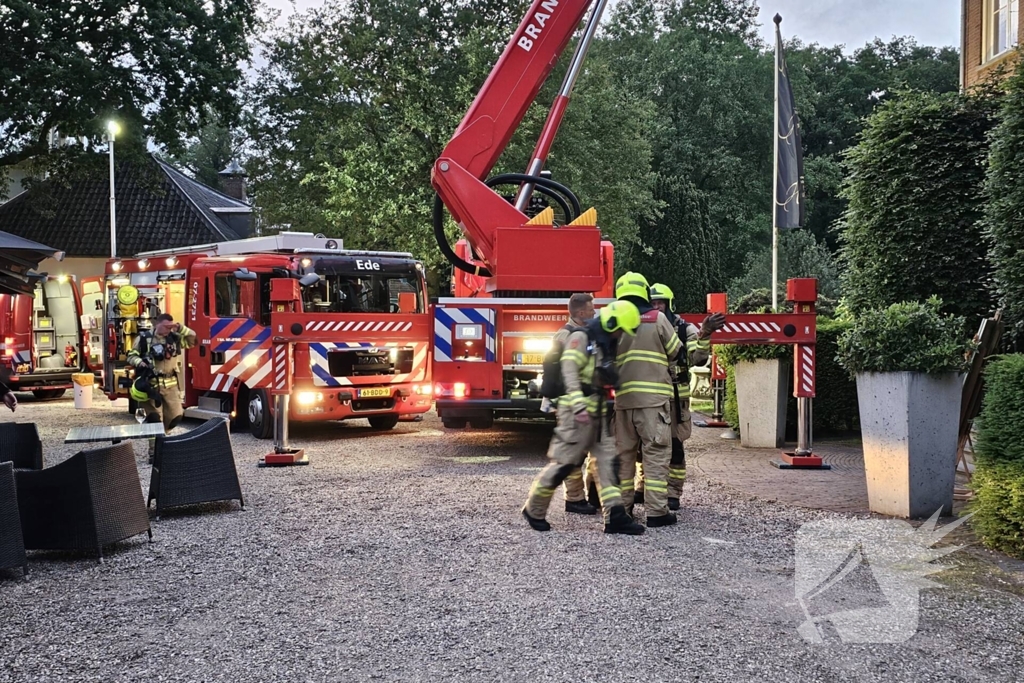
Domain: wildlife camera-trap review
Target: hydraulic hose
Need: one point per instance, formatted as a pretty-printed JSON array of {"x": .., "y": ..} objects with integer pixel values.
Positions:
[{"x": 558, "y": 192}]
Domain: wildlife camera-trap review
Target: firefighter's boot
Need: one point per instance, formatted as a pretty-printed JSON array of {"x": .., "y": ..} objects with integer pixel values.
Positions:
[
  {"x": 593, "y": 497},
  {"x": 536, "y": 524},
  {"x": 661, "y": 520},
  {"x": 579, "y": 507},
  {"x": 621, "y": 523},
  {"x": 673, "y": 504}
]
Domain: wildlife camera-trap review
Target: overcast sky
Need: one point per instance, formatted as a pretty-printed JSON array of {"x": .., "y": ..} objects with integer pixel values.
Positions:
[{"x": 830, "y": 22}]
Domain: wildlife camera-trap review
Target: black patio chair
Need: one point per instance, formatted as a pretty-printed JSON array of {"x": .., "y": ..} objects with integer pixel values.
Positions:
[
  {"x": 195, "y": 467},
  {"x": 91, "y": 500},
  {"x": 20, "y": 444},
  {"x": 12, "y": 545}
]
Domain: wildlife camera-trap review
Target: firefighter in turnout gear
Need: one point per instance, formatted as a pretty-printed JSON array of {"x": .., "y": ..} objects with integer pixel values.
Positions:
[
  {"x": 643, "y": 415},
  {"x": 698, "y": 352},
  {"x": 588, "y": 371},
  {"x": 155, "y": 359},
  {"x": 581, "y": 311}
]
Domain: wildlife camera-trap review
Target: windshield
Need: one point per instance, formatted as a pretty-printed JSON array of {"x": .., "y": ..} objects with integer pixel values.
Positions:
[{"x": 364, "y": 293}]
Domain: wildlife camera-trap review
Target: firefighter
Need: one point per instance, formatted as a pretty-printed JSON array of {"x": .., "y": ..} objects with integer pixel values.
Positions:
[
  {"x": 155, "y": 359},
  {"x": 581, "y": 311},
  {"x": 698, "y": 351},
  {"x": 588, "y": 371},
  {"x": 643, "y": 417}
]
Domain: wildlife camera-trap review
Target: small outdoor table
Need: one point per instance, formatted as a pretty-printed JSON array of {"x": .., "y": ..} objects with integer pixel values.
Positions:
[{"x": 114, "y": 434}]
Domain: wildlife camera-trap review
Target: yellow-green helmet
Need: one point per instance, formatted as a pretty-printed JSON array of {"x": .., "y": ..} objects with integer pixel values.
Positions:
[
  {"x": 620, "y": 315},
  {"x": 136, "y": 394},
  {"x": 632, "y": 284},
  {"x": 660, "y": 292}
]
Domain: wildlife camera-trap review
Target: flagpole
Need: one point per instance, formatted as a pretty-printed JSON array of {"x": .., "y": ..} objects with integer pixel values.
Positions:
[{"x": 775, "y": 176}]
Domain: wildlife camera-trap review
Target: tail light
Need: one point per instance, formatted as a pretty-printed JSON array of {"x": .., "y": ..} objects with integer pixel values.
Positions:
[
  {"x": 457, "y": 390},
  {"x": 9, "y": 346}
]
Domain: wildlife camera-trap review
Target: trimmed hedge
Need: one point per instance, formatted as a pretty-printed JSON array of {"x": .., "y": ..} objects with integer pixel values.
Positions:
[
  {"x": 913, "y": 226},
  {"x": 998, "y": 481},
  {"x": 906, "y": 337},
  {"x": 731, "y": 414},
  {"x": 1003, "y": 225}
]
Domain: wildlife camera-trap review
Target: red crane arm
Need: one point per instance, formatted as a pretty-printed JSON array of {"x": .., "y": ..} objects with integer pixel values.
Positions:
[{"x": 478, "y": 142}]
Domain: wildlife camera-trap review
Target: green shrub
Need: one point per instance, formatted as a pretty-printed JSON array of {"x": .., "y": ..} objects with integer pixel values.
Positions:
[
  {"x": 760, "y": 300},
  {"x": 998, "y": 481},
  {"x": 913, "y": 226},
  {"x": 998, "y": 506},
  {"x": 1003, "y": 224},
  {"x": 905, "y": 337},
  {"x": 731, "y": 413}
]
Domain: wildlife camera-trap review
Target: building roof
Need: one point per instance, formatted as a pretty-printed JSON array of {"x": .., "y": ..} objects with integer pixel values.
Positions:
[{"x": 157, "y": 207}]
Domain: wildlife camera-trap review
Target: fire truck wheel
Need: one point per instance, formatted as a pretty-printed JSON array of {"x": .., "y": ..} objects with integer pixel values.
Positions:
[
  {"x": 383, "y": 422},
  {"x": 48, "y": 394},
  {"x": 260, "y": 423},
  {"x": 454, "y": 422}
]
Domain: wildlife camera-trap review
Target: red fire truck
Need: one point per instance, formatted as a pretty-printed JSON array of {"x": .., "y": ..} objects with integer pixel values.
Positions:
[
  {"x": 516, "y": 267},
  {"x": 371, "y": 305},
  {"x": 43, "y": 337}
]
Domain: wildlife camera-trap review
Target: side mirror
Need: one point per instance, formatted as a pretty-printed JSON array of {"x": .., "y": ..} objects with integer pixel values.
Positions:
[
  {"x": 309, "y": 279},
  {"x": 244, "y": 275}
]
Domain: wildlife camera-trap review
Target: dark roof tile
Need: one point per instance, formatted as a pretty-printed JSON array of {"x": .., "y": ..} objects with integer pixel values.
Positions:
[{"x": 158, "y": 207}]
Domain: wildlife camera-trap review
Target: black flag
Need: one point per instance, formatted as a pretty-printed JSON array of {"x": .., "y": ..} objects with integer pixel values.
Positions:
[{"x": 789, "y": 178}]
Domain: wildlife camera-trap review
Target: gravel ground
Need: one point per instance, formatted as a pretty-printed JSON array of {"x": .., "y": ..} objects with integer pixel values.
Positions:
[{"x": 402, "y": 556}]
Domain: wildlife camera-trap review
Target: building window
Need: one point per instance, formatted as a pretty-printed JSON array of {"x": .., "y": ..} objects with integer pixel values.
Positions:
[{"x": 1001, "y": 26}]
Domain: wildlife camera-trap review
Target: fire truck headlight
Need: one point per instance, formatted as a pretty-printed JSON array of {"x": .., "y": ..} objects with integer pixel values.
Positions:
[
  {"x": 306, "y": 398},
  {"x": 171, "y": 262},
  {"x": 143, "y": 264},
  {"x": 424, "y": 389},
  {"x": 537, "y": 345},
  {"x": 116, "y": 266}
]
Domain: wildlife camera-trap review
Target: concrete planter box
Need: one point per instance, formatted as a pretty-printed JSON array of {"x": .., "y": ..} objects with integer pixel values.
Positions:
[
  {"x": 761, "y": 388},
  {"x": 909, "y": 422}
]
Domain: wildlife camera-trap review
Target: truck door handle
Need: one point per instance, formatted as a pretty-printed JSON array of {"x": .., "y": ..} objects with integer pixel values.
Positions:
[{"x": 202, "y": 351}]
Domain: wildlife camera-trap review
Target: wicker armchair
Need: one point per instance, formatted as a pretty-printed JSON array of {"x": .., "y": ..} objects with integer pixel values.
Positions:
[
  {"x": 20, "y": 444},
  {"x": 12, "y": 546},
  {"x": 89, "y": 501},
  {"x": 195, "y": 467}
]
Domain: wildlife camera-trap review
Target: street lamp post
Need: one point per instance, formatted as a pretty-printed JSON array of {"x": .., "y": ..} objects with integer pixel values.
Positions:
[{"x": 112, "y": 130}]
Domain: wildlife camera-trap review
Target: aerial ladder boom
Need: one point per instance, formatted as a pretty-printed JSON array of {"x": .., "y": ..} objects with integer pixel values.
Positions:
[{"x": 517, "y": 254}]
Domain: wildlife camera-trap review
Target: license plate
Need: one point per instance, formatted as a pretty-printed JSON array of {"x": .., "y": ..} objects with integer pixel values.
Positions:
[
  {"x": 528, "y": 359},
  {"x": 377, "y": 392}
]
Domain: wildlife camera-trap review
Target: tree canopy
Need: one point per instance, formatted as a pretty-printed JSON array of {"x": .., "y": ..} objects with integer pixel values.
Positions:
[
  {"x": 668, "y": 133},
  {"x": 159, "y": 68}
]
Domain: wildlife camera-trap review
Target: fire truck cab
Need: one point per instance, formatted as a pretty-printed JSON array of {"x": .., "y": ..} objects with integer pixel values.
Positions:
[
  {"x": 43, "y": 337},
  {"x": 375, "y": 366}
]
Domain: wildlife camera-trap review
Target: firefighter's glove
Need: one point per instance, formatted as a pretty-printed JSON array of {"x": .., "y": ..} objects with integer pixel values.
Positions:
[
  {"x": 712, "y": 324},
  {"x": 582, "y": 417}
]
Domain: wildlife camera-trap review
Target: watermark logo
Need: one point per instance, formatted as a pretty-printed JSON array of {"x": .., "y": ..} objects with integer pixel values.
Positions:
[{"x": 892, "y": 554}]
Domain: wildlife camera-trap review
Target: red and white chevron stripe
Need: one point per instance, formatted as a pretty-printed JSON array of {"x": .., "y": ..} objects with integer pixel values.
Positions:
[
  {"x": 281, "y": 375},
  {"x": 751, "y": 327},
  {"x": 251, "y": 369},
  {"x": 359, "y": 326},
  {"x": 804, "y": 371}
]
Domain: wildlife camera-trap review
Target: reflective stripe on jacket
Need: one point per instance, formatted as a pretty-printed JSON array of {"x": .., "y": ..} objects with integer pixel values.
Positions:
[{"x": 643, "y": 360}]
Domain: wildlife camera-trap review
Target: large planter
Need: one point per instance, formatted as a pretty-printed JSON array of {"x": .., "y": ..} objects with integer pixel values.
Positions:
[
  {"x": 909, "y": 422},
  {"x": 761, "y": 388}
]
